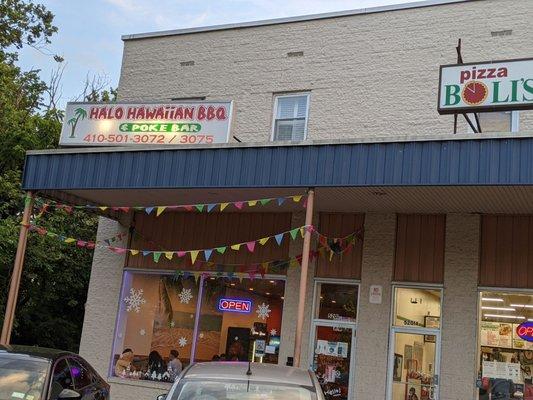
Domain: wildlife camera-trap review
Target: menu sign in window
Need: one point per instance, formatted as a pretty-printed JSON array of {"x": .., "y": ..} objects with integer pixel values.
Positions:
[
  {"x": 494, "y": 334},
  {"x": 502, "y": 370}
]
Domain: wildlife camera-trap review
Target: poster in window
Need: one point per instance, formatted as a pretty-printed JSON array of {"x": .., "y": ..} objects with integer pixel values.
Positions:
[
  {"x": 490, "y": 334},
  {"x": 408, "y": 353},
  {"x": 398, "y": 366}
]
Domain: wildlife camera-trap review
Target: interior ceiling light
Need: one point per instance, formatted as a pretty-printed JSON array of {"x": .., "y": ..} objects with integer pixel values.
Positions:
[
  {"x": 498, "y": 308},
  {"x": 504, "y": 316},
  {"x": 522, "y": 305},
  {"x": 492, "y": 299}
]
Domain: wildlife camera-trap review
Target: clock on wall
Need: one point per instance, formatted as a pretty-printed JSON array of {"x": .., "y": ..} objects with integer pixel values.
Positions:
[{"x": 474, "y": 92}]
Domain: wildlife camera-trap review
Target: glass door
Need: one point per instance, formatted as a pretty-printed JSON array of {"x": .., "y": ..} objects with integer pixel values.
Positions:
[
  {"x": 333, "y": 359},
  {"x": 414, "y": 362}
]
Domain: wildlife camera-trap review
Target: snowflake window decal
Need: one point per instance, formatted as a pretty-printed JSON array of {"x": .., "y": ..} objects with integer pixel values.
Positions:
[
  {"x": 182, "y": 341},
  {"x": 135, "y": 300},
  {"x": 263, "y": 311},
  {"x": 185, "y": 296}
]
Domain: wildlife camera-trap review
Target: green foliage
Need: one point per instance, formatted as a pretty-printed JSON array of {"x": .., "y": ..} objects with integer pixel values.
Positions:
[{"x": 56, "y": 275}]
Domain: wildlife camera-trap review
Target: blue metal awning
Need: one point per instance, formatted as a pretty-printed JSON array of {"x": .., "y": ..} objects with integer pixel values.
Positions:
[{"x": 473, "y": 161}]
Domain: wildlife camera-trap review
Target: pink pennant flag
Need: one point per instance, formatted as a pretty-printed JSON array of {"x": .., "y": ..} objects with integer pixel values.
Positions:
[
  {"x": 188, "y": 208},
  {"x": 238, "y": 204},
  {"x": 250, "y": 246},
  {"x": 181, "y": 253},
  {"x": 117, "y": 250}
]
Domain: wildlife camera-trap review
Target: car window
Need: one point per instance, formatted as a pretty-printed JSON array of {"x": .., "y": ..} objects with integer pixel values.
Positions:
[
  {"x": 83, "y": 376},
  {"x": 240, "y": 390},
  {"x": 22, "y": 378},
  {"x": 61, "y": 379}
]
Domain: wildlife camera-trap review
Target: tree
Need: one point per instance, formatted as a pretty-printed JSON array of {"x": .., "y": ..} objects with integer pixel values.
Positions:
[{"x": 55, "y": 277}]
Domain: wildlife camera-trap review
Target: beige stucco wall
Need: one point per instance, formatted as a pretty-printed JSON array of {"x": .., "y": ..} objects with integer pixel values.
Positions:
[
  {"x": 373, "y": 320},
  {"x": 368, "y": 75},
  {"x": 460, "y": 307}
]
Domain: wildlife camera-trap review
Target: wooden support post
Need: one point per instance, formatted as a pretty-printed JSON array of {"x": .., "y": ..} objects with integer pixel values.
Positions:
[
  {"x": 303, "y": 279},
  {"x": 17, "y": 272}
]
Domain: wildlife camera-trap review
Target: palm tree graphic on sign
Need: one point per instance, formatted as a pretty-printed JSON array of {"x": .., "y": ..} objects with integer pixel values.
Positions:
[{"x": 79, "y": 113}]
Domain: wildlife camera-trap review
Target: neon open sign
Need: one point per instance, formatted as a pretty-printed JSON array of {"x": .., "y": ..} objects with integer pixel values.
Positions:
[
  {"x": 235, "y": 305},
  {"x": 525, "y": 331}
]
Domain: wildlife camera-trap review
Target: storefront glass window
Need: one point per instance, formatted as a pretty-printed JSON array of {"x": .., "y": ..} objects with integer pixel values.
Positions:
[
  {"x": 506, "y": 345},
  {"x": 336, "y": 302},
  {"x": 417, "y": 307},
  {"x": 154, "y": 340}
]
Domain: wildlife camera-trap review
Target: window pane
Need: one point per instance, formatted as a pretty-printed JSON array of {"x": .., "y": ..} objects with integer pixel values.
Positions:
[
  {"x": 417, "y": 307},
  {"x": 61, "y": 379},
  {"x": 337, "y": 302},
  {"x": 495, "y": 121},
  {"x": 240, "y": 320},
  {"x": 291, "y": 118},
  {"x": 289, "y": 130},
  {"x": 81, "y": 375},
  {"x": 157, "y": 314},
  {"x": 23, "y": 378}
]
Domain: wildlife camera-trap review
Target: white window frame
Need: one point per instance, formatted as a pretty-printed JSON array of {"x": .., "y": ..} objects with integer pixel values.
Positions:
[
  {"x": 415, "y": 330},
  {"x": 275, "y": 111},
  {"x": 515, "y": 121},
  {"x": 316, "y": 322}
]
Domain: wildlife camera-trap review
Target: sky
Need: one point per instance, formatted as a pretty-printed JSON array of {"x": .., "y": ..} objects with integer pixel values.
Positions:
[{"x": 89, "y": 31}]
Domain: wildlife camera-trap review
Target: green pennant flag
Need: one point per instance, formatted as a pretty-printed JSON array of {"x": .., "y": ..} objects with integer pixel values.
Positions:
[
  {"x": 264, "y": 201},
  {"x": 156, "y": 255},
  {"x": 294, "y": 232},
  {"x": 222, "y": 249},
  {"x": 200, "y": 207},
  {"x": 27, "y": 201}
]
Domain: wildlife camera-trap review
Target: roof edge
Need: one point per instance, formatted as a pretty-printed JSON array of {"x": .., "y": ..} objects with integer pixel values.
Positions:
[
  {"x": 324, "y": 142},
  {"x": 286, "y": 20}
]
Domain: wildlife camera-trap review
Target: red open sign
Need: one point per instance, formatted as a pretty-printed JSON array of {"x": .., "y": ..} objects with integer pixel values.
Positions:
[
  {"x": 235, "y": 305},
  {"x": 525, "y": 331}
]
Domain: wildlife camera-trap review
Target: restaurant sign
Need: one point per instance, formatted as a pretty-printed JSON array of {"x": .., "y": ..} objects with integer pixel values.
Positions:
[
  {"x": 489, "y": 86},
  {"x": 125, "y": 124},
  {"x": 235, "y": 305},
  {"x": 525, "y": 331}
]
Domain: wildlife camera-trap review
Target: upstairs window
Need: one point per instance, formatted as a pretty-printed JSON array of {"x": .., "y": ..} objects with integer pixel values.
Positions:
[{"x": 290, "y": 117}]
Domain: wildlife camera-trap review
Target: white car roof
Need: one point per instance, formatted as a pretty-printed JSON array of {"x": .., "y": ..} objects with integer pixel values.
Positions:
[{"x": 225, "y": 370}]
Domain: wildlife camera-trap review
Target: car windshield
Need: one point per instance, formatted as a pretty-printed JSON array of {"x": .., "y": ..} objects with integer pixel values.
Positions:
[
  {"x": 240, "y": 390},
  {"x": 22, "y": 379}
]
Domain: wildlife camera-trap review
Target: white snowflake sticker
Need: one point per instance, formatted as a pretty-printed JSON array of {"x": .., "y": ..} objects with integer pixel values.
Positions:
[
  {"x": 135, "y": 300},
  {"x": 172, "y": 324},
  {"x": 182, "y": 341},
  {"x": 263, "y": 311},
  {"x": 185, "y": 296},
  {"x": 273, "y": 332},
  {"x": 142, "y": 332}
]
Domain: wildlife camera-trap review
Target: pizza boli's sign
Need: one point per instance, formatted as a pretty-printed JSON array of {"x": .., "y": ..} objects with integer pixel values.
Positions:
[
  {"x": 124, "y": 124},
  {"x": 489, "y": 86}
]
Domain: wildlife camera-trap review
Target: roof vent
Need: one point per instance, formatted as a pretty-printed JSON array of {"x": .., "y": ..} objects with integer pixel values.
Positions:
[
  {"x": 187, "y": 63},
  {"x": 295, "y": 54},
  {"x": 505, "y": 32}
]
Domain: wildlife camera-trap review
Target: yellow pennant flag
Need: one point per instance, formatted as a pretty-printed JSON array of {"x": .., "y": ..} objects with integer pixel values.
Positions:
[
  {"x": 134, "y": 252},
  {"x": 194, "y": 255},
  {"x": 159, "y": 211},
  {"x": 103, "y": 208},
  {"x": 263, "y": 241},
  {"x": 252, "y": 203},
  {"x": 236, "y": 247},
  {"x": 70, "y": 240},
  {"x": 302, "y": 230},
  {"x": 297, "y": 198},
  {"x": 169, "y": 254},
  {"x": 223, "y": 206}
]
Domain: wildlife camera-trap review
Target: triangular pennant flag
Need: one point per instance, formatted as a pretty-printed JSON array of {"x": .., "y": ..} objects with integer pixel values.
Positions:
[
  {"x": 279, "y": 238},
  {"x": 196, "y": 276},
  {"x": 264, "y": 202},
  {"x": 222, "y": 249},
  {"x": 119, "y": 250},
  {"x": 156, "y": 255},
  {"x": 231, "y": 275},
  {"x": 169, "y": 254},
  {"x": 250, "y": 246},
  {"x": 210, "y": 207},
  {"x": 263, "y": 241},
  {"x": 102, "y": 208},
  {"x": 159, "y": 211},
  {"x": 296, "y": 199},
  {"x": 236, "y": 247},
  {"x": 238, "y": 204},
  {"x": 251, "y": 274},
  {"x": 330, "y": 255},
  {"x": 240, "y": 278},
  {"x": 194, "y": 255},
  {"x": 146, "y": 252},
  {"x": 90, "y": 245},
  {"x": 186, "y": 274},
  {"x": 207, "y": 254},
  {"x": 294, "y": 232},
  {"x": 148, "y": 210},
  {"x": 223, "y": 206},
  {"x": 81, "y": 243},
  {"x": 70, "y": 240},
  {"x": 252, "y": 203},
  {"x": 181, "y": 253},
  {"x": 200, "y": 207},
  {"x": 134, "y": 252},
  {"x": 302, "y": 230},
  {"x": 61, "y": 237},
  {"x": 281, "y": 200},
  {"x": 125, "y": 209}
]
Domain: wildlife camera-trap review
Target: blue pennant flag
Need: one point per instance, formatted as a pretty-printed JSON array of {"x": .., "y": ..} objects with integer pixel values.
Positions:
[
  {"x": 149, "y": 210},
  {"x": 146, "y": 252},
  {"x": 279, "y": 238},
  {"x": 207, "y": 254},
  {"x": 281, "y": 200},
  {"x": 210, "y": 207}
]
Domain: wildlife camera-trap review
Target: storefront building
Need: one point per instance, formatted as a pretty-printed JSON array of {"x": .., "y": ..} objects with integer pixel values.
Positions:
[{"x": 424, "y": 293}]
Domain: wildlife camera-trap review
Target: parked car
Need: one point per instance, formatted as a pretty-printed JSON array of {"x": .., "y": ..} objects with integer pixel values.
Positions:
[
  {"x": 36, "y": 373},
  {"x": 244, "y": 381}
]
